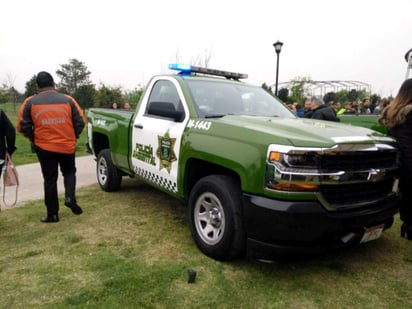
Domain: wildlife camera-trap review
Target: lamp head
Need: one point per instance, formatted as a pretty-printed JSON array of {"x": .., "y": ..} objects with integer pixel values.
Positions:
[{"x": 278, "y": 46}]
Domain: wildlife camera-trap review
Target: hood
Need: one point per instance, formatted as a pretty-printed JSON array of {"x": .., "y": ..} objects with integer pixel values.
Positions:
[{"x": 299, "y": 132}]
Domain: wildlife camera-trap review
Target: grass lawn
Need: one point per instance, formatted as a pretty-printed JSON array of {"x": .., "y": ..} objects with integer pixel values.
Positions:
[{"x": 133, "y": 249}]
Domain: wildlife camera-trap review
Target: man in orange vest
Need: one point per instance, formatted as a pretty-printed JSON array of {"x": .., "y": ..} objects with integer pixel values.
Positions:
[{"x": 53, "y": 121}]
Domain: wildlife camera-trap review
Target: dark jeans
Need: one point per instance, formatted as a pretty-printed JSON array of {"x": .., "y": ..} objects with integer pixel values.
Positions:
[{"x": 49, "y": 163}]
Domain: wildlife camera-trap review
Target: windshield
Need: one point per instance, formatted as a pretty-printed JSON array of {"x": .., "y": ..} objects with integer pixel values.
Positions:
[{"x": 220, "y": 98}]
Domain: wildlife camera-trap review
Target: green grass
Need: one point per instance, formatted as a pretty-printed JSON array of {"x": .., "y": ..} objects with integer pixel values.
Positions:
[
  {"x": 24, "y": 154},
  {"x": 132, "y": 249}
]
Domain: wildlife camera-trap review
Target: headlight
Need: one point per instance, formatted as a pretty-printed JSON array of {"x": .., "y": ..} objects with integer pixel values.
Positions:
[
  {"x": 294, "y": 160},
  {"x": 291, "y": 169}
]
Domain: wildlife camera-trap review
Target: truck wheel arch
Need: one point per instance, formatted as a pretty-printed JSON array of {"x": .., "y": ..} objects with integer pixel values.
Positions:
[
  {"x": 100, "y": 142},
  {"x": 197, "y": 169}
]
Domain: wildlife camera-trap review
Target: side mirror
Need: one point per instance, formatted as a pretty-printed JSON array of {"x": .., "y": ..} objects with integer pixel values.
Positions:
[{"x": 165, "y": 109}]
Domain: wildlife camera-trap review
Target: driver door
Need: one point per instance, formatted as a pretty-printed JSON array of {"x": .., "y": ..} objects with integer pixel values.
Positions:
[{"x": 156, "y": 137}]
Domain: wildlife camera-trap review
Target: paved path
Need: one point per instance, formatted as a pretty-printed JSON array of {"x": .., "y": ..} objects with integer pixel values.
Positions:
[{"x": 31, "y": 180}]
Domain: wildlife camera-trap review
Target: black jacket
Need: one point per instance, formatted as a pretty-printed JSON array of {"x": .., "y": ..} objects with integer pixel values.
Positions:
[
  {"x": 7, "y": 135},
  {"x": 403, "y": 133},
  {"x": 324, "y": 112}
]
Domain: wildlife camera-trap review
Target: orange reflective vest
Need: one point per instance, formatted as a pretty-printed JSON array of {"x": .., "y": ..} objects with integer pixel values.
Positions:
[{"x": 51, "y": 120}]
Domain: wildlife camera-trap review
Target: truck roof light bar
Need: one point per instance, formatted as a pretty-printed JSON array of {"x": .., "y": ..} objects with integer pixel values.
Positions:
[{"x": 188, "y": 69}]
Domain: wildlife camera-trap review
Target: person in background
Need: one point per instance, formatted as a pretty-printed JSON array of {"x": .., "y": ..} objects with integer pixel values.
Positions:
[
  {"x": 307, "y": 110},
  {"x": 126, "y": 106},
  {"x": 373, "y": 104},
  {"x": 291, "y": 106},
  {"x": 321, "y": 111},
  {"x": 381, "y": 106},
  {"x": 397, "y": 118},
  {"x": 348, "y": 109},
  {"x": 337, "y": 106},
  {"x": 365, "y": 108},
  {"x": 7, "y": 138},
  {"x": 298, "y": 109},
  {"x": 355, "y": 107},
  {"x": 53, "y": 121},
  {"x": 114, "y": 105}
]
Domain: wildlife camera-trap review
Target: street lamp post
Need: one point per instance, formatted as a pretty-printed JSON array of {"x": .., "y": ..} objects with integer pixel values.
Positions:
[{"x": 278, "y": 47}]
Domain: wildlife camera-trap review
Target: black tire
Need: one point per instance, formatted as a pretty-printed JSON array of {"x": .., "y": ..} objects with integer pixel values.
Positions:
[
  {"x": 215, "y": 217},
  {"x": 108, "y": 176}
]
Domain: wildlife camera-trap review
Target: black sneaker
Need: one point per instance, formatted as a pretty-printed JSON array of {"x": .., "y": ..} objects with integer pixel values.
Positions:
[
  {"x": 50, "y": 219},
  {"x": 74, "y": 208}
]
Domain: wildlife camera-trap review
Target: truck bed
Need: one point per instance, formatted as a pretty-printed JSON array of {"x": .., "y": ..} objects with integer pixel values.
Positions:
[{"x": 112, "y": 129}]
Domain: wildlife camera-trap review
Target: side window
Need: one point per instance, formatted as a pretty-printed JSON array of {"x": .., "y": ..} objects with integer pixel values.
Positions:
[
  {"x": 164, "y": 101},
  {"x": 164, "y": 91}
]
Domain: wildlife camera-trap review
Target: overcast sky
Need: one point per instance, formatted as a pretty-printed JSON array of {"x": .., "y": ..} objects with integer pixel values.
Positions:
[{"x": 123, "y": 43}]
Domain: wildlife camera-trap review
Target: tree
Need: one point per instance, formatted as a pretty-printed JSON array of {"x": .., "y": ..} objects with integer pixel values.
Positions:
[
  {"x": 342, "y": 96},
  {"x": 133, "y": 97},
  {"x": 85, "y": 95},
  {"x": 30, "y": 88},
  {"x": 267, "y": 88},
  {"x": 9, "y": 94},
  {"x": 297, "y": 91},
  {"x": 4, "y": 97},
  {"x": 203, "y": 60},
  {"x": 353, "y": 95},
  {"x": 330, "y": 96},
  {"x": 283, "y": 94},
  {"x": 73, "y": 75},
  {"x": 105, "y": 96}
]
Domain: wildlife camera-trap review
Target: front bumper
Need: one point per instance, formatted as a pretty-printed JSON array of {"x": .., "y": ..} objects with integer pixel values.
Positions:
[{"x": 276, "y": 227}]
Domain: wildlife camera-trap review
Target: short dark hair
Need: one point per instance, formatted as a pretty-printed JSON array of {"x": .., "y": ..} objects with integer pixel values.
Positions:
[{"x": 44, "y": 79}]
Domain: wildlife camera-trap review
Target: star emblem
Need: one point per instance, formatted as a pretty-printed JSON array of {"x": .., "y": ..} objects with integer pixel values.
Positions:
[{"x": 165, "y": 151}]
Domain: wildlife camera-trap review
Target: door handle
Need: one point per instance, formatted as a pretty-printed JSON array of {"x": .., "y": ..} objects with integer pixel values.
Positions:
[{"x": 138, "y": 126}]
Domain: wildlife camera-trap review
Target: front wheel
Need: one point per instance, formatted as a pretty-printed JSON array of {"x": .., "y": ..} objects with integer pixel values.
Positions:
[
  {"x": 215, "y": 217},
  {"x": 108, "y": 176}
]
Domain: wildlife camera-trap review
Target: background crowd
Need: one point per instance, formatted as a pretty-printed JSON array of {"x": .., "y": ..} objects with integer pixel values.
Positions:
[{"x": 316, "y": 108}]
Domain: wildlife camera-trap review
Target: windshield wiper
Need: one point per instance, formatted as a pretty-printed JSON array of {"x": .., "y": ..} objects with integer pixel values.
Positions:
[{"x": 217, "y": 115}]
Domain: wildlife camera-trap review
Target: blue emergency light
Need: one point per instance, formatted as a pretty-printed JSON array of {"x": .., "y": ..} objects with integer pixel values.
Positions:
[
  {"x": 189, "y": 69},
  {"x": 184, "y": 68}
]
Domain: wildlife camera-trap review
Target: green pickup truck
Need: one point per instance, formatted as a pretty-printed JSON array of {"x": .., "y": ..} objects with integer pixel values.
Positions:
[{"x": 256, "y": 179}]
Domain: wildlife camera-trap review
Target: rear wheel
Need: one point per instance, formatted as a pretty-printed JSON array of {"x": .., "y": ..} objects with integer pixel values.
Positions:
[
  {"x": 108, "y": 176},
  {"x": 215, "y": 217}
]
